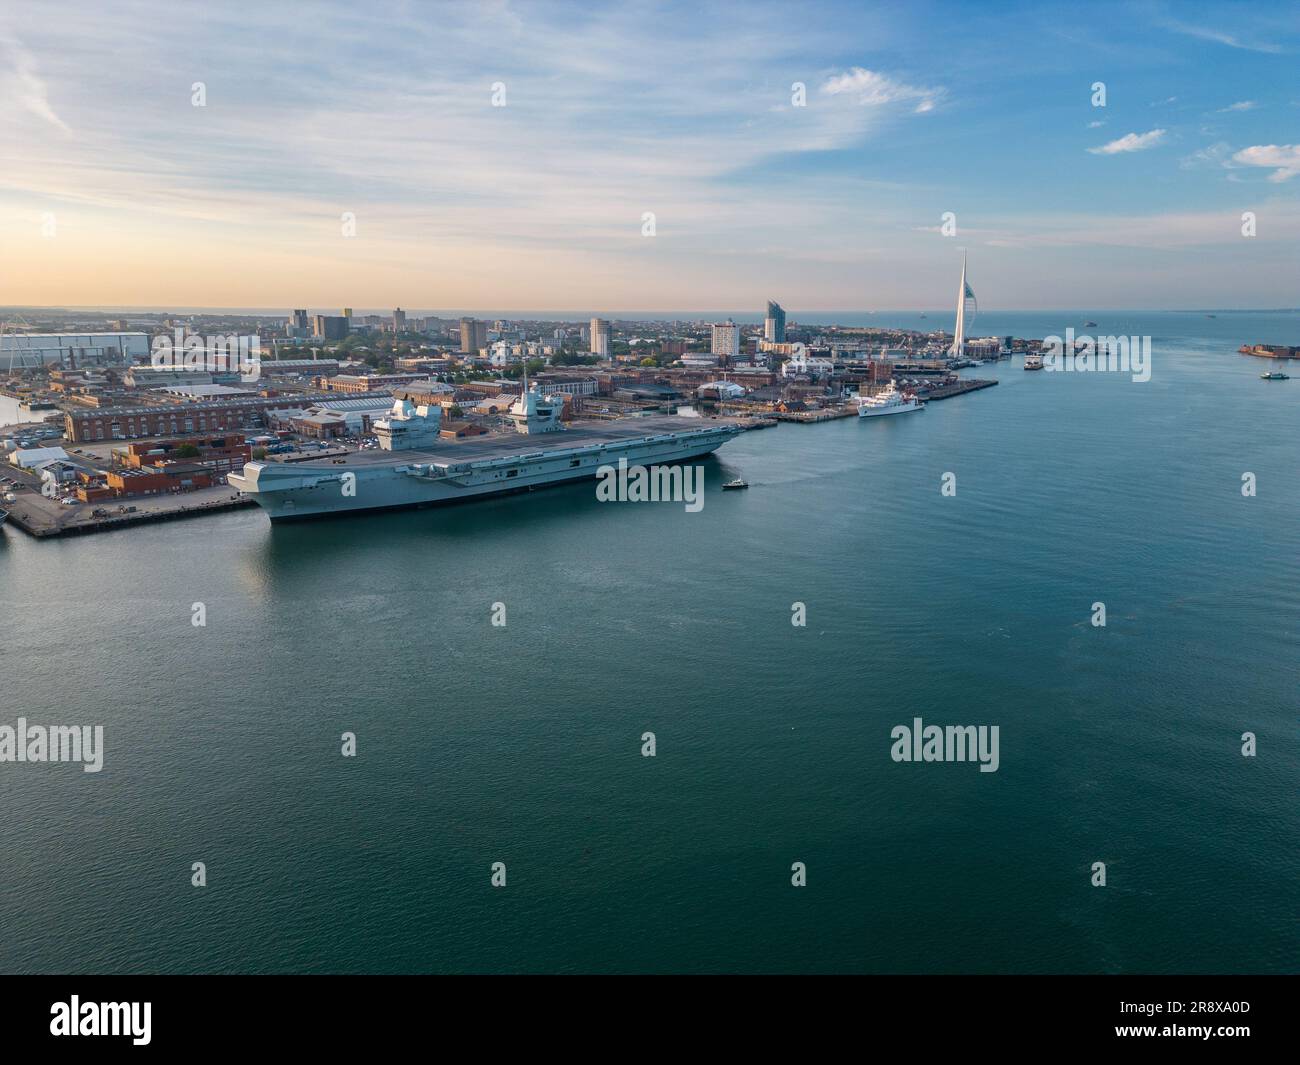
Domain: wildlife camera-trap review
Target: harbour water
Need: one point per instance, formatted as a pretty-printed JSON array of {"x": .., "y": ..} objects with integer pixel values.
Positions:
[
  {"x": 522, "y": 744},
  {"x": 12, "y": 412}
]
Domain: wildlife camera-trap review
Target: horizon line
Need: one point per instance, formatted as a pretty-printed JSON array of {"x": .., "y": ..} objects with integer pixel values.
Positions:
[{"x": 541, "y": 314}]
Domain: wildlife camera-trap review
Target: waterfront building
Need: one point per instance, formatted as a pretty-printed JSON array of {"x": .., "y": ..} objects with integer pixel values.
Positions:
[
  {"x": 145, "y": 376},
  {"x": 726, "y": 341},
  {"x": 423, "y": 363},
  {"x": 282, "y": 367},
  {"x": 699, "y": 360},
  {"x": 130, "y": 423},
  {"x": 175, "y": 476},
  {"x": 586, "y": 386},
  {"x": 503, "y": 353},
  {"x": 372, "y": 382},
  {"x": 22, "y": 351},
  {"x": 723, "y": 389},
  {"x": 332, "y": 417},
  {"x": 986, "y": 347},
  {"x": 317, "y": 424},
  {"x": 223, "y": 453},
  {"x": 77, "y": 381},
  {"x": 32, "y": 458},
  {"x": 802, "y": 363},
  {"x": 473, "y": 335},
  {"x": 328, "y": 327},
  {"x": 774, "y": 323},
  {"x": 200, "y": 393},
  {"x": 399, "y": 320},
  {"x": 600, "y": 337}
]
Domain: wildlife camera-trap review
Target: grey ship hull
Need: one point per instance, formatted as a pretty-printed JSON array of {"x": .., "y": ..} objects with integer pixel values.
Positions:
[{"x": 464, "y": 471}]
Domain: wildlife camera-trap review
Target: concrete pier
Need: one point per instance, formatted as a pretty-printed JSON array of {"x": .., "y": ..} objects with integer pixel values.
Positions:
[{"x": 43, "y": 518}]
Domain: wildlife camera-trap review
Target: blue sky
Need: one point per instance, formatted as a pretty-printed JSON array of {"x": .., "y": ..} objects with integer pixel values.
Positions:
[{"x": 119, "y": 190}]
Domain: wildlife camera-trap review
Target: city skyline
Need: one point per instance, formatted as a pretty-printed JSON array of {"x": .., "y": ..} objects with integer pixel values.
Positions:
[{"x": 131, "y": 196}]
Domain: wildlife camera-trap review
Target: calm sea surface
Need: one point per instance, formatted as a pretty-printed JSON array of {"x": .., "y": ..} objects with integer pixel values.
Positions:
[{"x": 522, "y": 744}]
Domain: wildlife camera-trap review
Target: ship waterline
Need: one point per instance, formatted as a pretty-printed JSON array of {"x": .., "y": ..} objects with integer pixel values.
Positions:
[{"x": 464, "y": 471}]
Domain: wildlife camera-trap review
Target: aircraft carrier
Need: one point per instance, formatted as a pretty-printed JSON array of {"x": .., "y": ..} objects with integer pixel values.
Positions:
[{"x": 415, "y": 467}]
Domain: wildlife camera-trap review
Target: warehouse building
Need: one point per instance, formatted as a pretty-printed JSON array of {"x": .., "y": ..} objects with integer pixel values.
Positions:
[
  {"x": 22, "y": 351},
  {"x": 130, "y": 423}
]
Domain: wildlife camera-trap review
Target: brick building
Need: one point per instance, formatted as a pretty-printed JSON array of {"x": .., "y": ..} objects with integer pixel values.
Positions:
[
  {"x": 176, "y": 476},
  {"x": 131, "y": 423},
  {"x": 221, "y": 453},
  {"x": 371, "y": 382}
]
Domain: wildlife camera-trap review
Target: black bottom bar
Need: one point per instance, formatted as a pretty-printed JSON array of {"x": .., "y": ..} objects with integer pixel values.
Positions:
[{"x": 338, "y": 1014}]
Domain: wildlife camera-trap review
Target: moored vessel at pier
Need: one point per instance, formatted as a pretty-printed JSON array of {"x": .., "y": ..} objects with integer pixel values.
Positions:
[
  {"x": 888, "y": 401},
  {"x": 453, "y": 471}
]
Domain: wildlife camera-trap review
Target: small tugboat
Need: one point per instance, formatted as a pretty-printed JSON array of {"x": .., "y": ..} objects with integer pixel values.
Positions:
[
  {"x": 1274, "y": 376},
  {"x": 731, "y": 486},
  {"x": 1088, "y": 325}
]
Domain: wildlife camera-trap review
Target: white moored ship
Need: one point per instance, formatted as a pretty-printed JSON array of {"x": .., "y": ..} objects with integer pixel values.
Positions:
[
  {"x": 888, "y": 401},
  {"x": 415, "y": 467}
]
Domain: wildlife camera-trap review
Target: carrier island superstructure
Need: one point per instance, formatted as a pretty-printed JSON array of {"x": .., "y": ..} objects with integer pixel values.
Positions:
[{"x": 414, "y": 467}]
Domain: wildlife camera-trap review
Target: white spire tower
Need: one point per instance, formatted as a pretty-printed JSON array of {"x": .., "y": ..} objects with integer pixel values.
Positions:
[
  {"x": 960, "y": 328},
  {"x": 964, "y": 293}
]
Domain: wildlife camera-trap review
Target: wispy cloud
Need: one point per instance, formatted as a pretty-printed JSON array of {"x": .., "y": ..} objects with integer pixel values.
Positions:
[
  {"x": 1209, "y": 33},
  {"x": 28, "y": 88},
  {"x": 1130, "y": 142},
  {"x": 1282, "y": 159},
  {"x": 540, "y": 202},
  {"x": 1213, "y": 155},
  {"x": 874, "y": 89},
  {"x": 1240, "y": 105},
  {"x": 1167, "y": 230}
]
